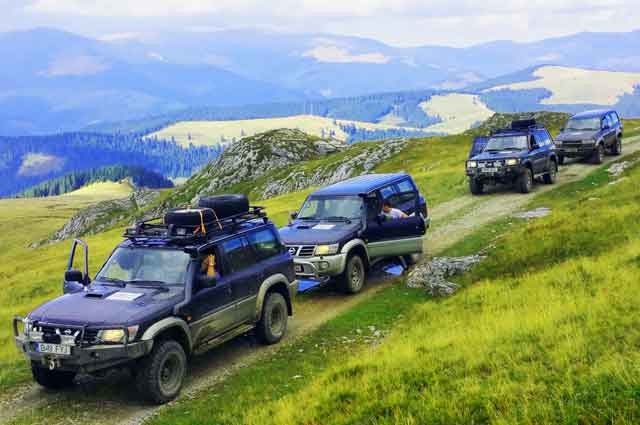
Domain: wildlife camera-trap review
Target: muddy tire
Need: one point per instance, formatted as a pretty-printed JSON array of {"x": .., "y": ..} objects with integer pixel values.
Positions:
[
  {"x": 273, "y": 320},
  {"x": 353, "y": 278},
  {"x": 525, "y": 181},
  {"x": 225, "y": 205},
  {"x": 52, "y": 379},
  {"x": 552, "y": 175},
  {"x": 598, "y": 154},
  {"x": 162, "y": 372},
  {"x": 475, "y": 186},
  {"x": 617, "y": 148}
]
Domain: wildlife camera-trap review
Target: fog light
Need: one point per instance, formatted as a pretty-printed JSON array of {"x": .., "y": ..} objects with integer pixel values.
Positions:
[{"x": 323, "y": 265}]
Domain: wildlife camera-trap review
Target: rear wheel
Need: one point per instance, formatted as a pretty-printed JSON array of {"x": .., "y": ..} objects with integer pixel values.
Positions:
[
  {"x": 354, "y": 275},
  {"x": 162, "y": 372},
  {"x": 525, "y": 181},
  {"x": 273, "y": 321},
  {"x": 598, "y": 154},
  {"x": 52, "y": 379},
  {"x": 617, "y": 148},
  {"x": 475, "y": 186},
  {"x": 551, "y": 176}
]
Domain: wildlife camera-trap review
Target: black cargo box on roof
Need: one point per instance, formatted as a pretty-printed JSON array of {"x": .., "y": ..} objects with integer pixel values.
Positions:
[{"x": 523, "y": 124}]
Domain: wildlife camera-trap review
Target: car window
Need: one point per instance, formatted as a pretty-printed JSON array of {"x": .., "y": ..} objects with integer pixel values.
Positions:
[
  {"x": 238, "y": 254},
  {"x": 387, "y": 191},
  {"x": 405, "y": 186},
  {"x": 614, "y": 118},
  {"x": 264, "y": 243},
  {"x": 606, "y": 121},
  {"x": 542, "y": 138}
]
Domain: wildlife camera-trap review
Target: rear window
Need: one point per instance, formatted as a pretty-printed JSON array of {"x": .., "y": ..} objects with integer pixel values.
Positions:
[
  {"x": 405, "y": 186},
  {"x": 264, "y": 243}
]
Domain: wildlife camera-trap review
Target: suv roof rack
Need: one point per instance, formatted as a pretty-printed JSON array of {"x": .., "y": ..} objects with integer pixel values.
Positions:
[
  {"x": 518, "y": 126},
  {"x": 187, "y": 234}
]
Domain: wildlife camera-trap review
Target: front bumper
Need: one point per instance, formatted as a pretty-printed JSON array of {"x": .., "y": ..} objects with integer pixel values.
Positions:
[
  {"x": 83, "y": 358},
  {"x": 575, "y": 150},
  {"x": 504, "y": 173},
  {"x": 321, "y": 267}
]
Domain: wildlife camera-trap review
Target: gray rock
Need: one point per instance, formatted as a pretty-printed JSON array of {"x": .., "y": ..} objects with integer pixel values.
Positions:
[
  {"x": 537, "y": 213},
  {"x": 433, "y": 275}
]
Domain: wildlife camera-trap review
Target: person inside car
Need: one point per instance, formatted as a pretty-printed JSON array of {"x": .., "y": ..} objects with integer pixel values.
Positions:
[
  {"x": 391, "y": 213},
  {"x": 208, "y": 267}
]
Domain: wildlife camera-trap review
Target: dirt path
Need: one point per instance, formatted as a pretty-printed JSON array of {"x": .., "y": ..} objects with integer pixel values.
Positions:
[{"x": 112, "y": 399}]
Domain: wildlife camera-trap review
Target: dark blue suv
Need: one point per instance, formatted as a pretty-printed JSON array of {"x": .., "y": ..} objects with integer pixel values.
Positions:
[
  {"x": 591, "y": 135},
  {"x": 341, "y": 230},
  {"x": 515, "y": 155},
  {"x": 169, "y": 290}
]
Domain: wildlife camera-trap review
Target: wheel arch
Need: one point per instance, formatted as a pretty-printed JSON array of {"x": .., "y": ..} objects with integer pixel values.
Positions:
[
  {"x": 274, "y": 283},
  {"x": 357, "y": 246},
  {"x": 170, "y": 327}
]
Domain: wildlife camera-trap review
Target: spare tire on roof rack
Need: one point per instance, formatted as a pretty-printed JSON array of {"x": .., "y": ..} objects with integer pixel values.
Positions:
[
  {"x": 190, "y": 217},
  {"x": 225, "y": 205}
]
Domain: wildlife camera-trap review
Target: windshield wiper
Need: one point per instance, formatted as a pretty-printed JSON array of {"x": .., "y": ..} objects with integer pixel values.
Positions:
[
  {"x": 119, "y": 282},
  {"x": 338, "y": 218},
  {"x": 155, "y": 284},
  {"x": 306, "y": 218}
]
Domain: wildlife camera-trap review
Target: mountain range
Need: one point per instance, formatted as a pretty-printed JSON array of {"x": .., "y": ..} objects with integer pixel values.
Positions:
[{"x": 52, "y": 81}]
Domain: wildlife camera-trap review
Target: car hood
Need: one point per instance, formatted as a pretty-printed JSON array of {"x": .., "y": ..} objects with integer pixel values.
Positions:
[
  {"x": 484, "y": 156},
  {"x": 103, "y": 305},
  {"x": 572, "y": 136},
  {"x": 315, "y": 233}
]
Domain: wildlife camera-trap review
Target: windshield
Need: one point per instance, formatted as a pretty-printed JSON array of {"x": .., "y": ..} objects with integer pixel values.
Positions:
[
  {"x": 334, "y": 208},
  {"x": 582, "y": 124},
  {"x": 502, "y": 143},
  {"x": 146, "y": 266}
]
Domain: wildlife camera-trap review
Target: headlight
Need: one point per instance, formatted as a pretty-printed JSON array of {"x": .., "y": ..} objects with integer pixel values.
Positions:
[
  {"x": 512, "y": 161},
  {"x": 116, "y": 336},
  {"x": 326, "y": 249},
  {"x": 472, "y": 164}
]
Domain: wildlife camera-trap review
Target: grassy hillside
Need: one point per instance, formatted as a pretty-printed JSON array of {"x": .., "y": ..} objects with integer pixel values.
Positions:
[{"x": 543, "y": 332}]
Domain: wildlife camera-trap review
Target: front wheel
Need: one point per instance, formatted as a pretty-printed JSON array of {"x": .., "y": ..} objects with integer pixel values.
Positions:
[
  {"x": 52, "y": 379},
  {"x": 475, "y": 186},
  {"x": 598, "y": 154},
  {"x": 162, "y": 372},
  {"x": 552, "y": 175},
  {"x": 617, "y": 148},
  {"x": 354, "y": 275},
  {"x": 273, "y": 321},
  {"x": 525, "y": 181}
]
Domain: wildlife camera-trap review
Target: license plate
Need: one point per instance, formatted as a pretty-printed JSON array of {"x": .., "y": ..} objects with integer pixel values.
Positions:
[
  {"x": 490, "y": 170},
  {"x": 571, "y": 149},
  {"x": 64, "y": 350},
  {"x": 298, "y": 268}
]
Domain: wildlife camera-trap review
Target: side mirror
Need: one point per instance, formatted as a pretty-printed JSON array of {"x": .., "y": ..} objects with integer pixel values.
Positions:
[
  {"x": 73, "y": 275},
  {"x": 294, "y": 215},
  {"x": 534, "y": 146}
]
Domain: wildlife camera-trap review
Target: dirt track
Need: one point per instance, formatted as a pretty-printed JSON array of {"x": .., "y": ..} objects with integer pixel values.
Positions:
[{"x": 113, "y": 400}]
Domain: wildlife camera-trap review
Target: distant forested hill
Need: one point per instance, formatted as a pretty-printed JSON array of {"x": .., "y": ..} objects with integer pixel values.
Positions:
[
  {"x": 28, "y": 161},
  {"x": 139, "y": 176}
]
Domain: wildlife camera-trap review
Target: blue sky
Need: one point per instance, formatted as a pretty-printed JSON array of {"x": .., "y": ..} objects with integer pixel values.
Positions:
[{"x": 396, "y": 22}]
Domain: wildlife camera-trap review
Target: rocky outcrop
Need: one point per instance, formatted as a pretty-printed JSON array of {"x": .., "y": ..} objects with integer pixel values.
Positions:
[
  {"x": 361, "y": 162},
  {"x": 103, "y": 215},
  {"x": 433, "y": 275},
  {"x": 255, "y": 156}
]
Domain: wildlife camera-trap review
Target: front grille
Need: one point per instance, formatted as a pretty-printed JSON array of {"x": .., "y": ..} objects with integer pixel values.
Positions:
[
  {"x": 496, "y": 163},
  {"x": 576, "y": 144},
  {"x": 52, "y": 334},
  {"x": 301, "y": 250}
]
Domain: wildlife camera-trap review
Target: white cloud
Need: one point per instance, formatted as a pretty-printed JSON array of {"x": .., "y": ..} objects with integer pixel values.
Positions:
[{"x": 334, "y": 54}]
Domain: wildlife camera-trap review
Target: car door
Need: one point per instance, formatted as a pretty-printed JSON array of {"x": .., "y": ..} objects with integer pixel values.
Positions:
[
  {"x": 388, "y": 238},
  {"x": 246, "y": 270},
  {"x": 537, "y": 153},
  {"x": 211, "y": 308}
]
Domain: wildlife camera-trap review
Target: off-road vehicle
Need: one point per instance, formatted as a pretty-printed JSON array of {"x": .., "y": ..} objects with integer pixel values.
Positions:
[
  {"x": 168, "y": 291},
  {"x": 340, "y": 231},
  {"x": 516, "y": 155},
  {"x": 591, "y": 135}
]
